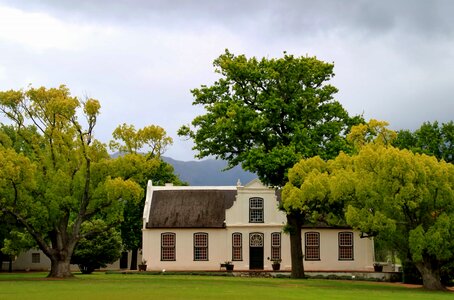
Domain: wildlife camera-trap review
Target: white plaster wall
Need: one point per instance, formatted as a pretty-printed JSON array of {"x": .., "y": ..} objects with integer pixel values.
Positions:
[
  {"x": 237, "y": 220},
  {"x": 362, "y": 250},
  {"x": 220, "y": 250},
  {"x": 238, "y": 214},
  {"x": 267, "y": 231},
  {"x": 23, "y": 262},
  {"x": 217, "y": 249}
]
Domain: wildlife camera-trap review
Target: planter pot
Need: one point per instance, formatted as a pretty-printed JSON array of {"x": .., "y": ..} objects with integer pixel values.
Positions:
[
  {"x": 276, "y": 267},
  {"x": 229, "y": 267},
  {"x": 378, "y": 268},
  {"x": 142, "y": 267}
]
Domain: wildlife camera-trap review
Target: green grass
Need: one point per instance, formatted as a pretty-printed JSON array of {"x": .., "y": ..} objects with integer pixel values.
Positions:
[{"x": 137, "y": 286}]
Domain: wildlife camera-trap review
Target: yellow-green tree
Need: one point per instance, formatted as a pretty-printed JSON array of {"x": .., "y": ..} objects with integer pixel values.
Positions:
[
  {"x": 392, "y": 194},
  {"x": 151, "y": 141},
  {"x": 51, "y": 177}
]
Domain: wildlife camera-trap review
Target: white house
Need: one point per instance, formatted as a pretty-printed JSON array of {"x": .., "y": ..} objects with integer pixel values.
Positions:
[{"x": 199, "y": 228}]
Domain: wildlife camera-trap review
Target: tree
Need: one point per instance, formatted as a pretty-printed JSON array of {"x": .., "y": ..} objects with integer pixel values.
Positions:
[
  {"x": 51, "y": 180},
  {"x": 431, "y": 139},
  {"x": 268, "y": 114},
  {"x": 140, "y": 168},
  {"x": 395, "y": 195},
  {"x": 96, "y": 251},
  {"x": 128, "y": 140}
]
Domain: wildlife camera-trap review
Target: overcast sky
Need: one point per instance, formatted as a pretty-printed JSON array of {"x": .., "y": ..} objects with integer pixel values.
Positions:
[{"x": 394, "y": 60}]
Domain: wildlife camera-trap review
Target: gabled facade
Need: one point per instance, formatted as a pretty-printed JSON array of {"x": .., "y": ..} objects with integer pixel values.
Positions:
[{"x": 199, "y": 228}]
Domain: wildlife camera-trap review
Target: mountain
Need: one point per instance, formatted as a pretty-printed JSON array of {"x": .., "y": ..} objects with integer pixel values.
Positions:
[{"x": 209, "y": 172}]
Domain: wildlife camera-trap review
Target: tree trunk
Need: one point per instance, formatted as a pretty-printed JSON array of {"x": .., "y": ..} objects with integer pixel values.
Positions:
[
  {"x": 134, "y": 259},
  {"x": 296, "y": 248},
  {"x": 430, "y": 273},
  {"x": 60, "y": 269},
  {"x": 10, "y": 266}
]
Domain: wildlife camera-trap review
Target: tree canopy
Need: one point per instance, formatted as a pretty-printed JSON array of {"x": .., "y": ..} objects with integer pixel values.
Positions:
[
  {"x": 267, "y": 114},
  {"x": 132, "y": 165},
  {"x": 396, "y": 195},
  {"x": 129, "y": 140},
  {"x": 51, "y": 177},
  {"x": 96, "y": 251}
]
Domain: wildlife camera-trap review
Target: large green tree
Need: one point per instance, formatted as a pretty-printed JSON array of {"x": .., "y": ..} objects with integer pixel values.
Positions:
[
  {"x": 266, "y": 115},
  {"x": 51, "y": 177},
  {"x": 395, "y": 195}
]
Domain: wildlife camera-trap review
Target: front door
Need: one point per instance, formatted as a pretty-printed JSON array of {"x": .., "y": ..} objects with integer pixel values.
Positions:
[
  {"x": 124, "y": 260},
  {"x": 256, "y": 251}
]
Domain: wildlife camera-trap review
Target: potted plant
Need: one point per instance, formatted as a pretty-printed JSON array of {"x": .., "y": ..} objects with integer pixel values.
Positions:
[
  {"x": 378, "y": 267},
  {"x": 275, "y": 263},
  {"x": 143, "y": 265},
  {"x": 228, "y": 265}
]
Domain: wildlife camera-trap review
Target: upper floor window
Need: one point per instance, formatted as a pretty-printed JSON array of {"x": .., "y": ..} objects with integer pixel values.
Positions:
[
  {"x": 200, "y": 246},
  {"x": 275, "y": 246},
  {"x": 312, "y": 245},
  {"x": 256, "y": 210},
  {"x": 345, "y": 245},
  {"x": 168, "y": 246},
  {"x": 237, "y": 246}
]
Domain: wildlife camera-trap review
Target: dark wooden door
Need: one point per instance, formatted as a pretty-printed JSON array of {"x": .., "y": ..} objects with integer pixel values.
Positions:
[
  {"x": 124, "y": 260},
  {"x": 256, "y": 251}
]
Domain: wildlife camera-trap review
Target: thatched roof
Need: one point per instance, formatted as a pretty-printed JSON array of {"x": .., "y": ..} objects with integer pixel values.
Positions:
[{"x": 189, "y": 208}]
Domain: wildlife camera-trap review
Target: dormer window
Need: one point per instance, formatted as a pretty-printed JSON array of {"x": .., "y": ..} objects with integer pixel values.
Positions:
[{"x": 256, "y": 210}]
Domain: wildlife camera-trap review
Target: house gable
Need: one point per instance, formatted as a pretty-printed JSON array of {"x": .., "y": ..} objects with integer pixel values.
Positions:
[{"x": 239, "y": 213}]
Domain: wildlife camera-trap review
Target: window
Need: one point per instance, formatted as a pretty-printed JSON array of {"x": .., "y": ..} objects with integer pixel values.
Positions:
[
  {"x": 36, "y": 258},
  {"x": 256, "y": 239},
  {"x": 312, "y": 245},
  {"x": 200, "y": 246},
  {"x": 168, "y": 246},
  {"x": 237, "y": 246},
  {"x": 345, "y": 246},
  {"x": 256, "y": 210},
  {"x": 275, "y": 246}
]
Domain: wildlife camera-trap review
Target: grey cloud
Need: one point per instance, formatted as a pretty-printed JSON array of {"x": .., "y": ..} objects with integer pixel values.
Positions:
[
  {"x": 265, "y": 19},
  {"x": 393, "y": 58}
]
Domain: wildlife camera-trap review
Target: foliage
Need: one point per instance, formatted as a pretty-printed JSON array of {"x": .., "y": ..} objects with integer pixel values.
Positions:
[
  {"x": 96, "y": 251},
  {"x": 314, "y": 190},
  {"x": 128, "y": 140},
  {"x": 139, "y": 168},
  {"x": 51, "y": 177},
  {"x": 431, "y": 139},
  {"x": 404, "y": 198},
  {"x": 268, "y": 114}
]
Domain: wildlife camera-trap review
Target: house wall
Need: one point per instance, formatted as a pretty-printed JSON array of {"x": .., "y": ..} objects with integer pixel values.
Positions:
[
  {"x": 237, "y": 220},
  {"x": 238, "y": 214},
  {"x": 220, "y": 250},
  {"x": 363, "y": 252},
  {"x": 23, "y": 262}
]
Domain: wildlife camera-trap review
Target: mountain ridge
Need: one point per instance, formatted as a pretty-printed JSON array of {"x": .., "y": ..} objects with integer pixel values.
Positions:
[{"x": 208, "y": 172}]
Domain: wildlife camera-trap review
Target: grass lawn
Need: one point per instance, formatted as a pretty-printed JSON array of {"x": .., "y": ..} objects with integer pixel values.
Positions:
[{"x": 137, "y": 286}]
